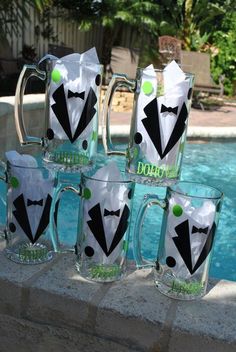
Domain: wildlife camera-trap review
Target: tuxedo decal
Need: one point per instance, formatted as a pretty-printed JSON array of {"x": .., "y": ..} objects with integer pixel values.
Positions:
[
  {"x": 73, "y": 94},
  {"x": 183, "y": 244},
  {"x": 23, "y": 216},
  {"x": 97, "y": 228},
  {"x": 61, "y": 112},
  {"x": 29, "y": 197},
  {"x": 105, "y": 216},
  {"x": 161, "y": 115},
  {"x": 152, "y": 126},
  {"x": 189, "y": 235}
]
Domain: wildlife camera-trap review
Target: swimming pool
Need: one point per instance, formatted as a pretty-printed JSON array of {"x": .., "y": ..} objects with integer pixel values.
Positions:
[
  {"x": 216, "y": 165},
  {"x": 211, "y": 163}
]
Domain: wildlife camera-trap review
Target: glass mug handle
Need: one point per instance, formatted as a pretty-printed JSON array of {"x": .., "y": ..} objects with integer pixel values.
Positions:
[
  {"x": 27, "y": 72},
  {"x": 117, "y": 80},
  {"x": 3, "y": 178},
  {"x": 53, "y": 215},
  {"x": 148, "y": 201}
]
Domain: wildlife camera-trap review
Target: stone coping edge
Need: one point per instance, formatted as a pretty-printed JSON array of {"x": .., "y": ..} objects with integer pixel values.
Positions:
[
  {"x": 31, "y": 102},
  {"x": 129, "y": 315},
  {"x": 36, "y": 101},
  {"x": 204, "y": 132}
]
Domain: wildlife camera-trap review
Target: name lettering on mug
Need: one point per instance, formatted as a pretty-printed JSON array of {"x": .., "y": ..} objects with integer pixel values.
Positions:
[
  {"x": 71, "y": 158},
  {"x": 186, "y": 288},
  {"x": 151, "y": 170}
]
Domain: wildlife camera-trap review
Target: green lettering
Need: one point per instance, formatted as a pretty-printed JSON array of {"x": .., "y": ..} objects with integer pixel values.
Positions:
[
  {"x": 161, "y": 171},
  {"x": 152, "y": 170},
  {"x": 140, "y": 168},
  {"x": 186, "y": 288},
  {"x": 146, "y": 170}
]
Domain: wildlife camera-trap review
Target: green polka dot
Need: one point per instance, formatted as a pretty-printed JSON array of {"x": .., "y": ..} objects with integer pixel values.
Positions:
[
  {"x": 94, "y": 136},
  {"x": 147, "y": 88},
  {"x": 87, "y": 193},
  {"x": 177, "y": 210},
  {"x": 14, "y": 182},
  {"x": 56, "y": 76}
]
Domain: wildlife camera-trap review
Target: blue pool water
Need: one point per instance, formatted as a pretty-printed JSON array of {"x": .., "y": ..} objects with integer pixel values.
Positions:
[
  {"x": 213, "y": 164},
  {"x": 210, "y": 163}
]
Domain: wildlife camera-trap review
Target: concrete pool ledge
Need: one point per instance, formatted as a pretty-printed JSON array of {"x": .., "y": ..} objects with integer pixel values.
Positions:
[
  {"x": 200, "y": 132},
  {"x": 34, "y": 105},
  {"x": 50, "y": 306}
]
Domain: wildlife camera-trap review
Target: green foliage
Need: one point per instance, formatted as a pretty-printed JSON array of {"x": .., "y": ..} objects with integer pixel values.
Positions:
[
  {"x": 224, "y": 62},
  {"x": 114, "y": 15},
  {"x": 198, "y": 41},
  {"x": 192, "y": 21},
  {"x": 200, "y": 24},
  {"x": 111, "y": 12}
]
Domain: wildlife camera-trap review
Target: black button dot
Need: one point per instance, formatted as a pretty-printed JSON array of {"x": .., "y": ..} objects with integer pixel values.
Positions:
[
  {"x": 98, "y": 80},
  {"x": 190, "y": 93},
  {"x": 138, "y": 138},
  {"x": 89, "y": 251},
  {"x": 50, "y": 134},
  {"x": 85, "y": 144},
  {"x": 170, "y": 261},
  {"x": 12, "y": 227}
]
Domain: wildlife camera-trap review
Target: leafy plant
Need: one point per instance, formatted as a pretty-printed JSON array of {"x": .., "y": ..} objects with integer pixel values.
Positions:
[
  {"x": 191, "y": 20},
  {"x": 224, "y": 60},
  {"x": 141, "y": 16}
]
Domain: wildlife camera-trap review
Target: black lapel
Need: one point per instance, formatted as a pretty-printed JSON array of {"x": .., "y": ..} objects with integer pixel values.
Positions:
[
  {"x": 44, "y": 220},
  {"x": 21, "y": 216},
  {"x": 206, "y": 249},
  {"x": 178, "y": 130},
  {"x": 87, "y": 114},
  {"x": 61, "y": 112},
  {"x": 182, "y": 243},
  {"x": 121, "y": 229},
  {"x": 96, "y": 226},
  {"x": 151, "y": 124}
]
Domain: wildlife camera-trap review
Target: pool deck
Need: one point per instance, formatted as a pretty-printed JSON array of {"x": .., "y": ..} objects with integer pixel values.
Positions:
[
  {"x": 49, "y": 307},
  {"x": 219, "y": 123}
]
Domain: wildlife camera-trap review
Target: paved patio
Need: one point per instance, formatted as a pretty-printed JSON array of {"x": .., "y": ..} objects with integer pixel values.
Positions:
[{"x": 225, "y": 116}]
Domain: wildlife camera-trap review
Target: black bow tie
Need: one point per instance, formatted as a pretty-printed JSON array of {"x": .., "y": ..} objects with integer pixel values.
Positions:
[
  {"x": 200, "y": 230},
  {"x": 112, "y": 213},
  {"x": 169, "y": 109},
  {"x": 75, "y": 95},
  {"x": 34, "y": 202}
]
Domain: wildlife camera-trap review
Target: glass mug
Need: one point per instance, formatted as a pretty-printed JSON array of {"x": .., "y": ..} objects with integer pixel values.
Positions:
[
  {"x": 158, "y": 125},
  {"x": 29, "y": 197},
  {"x": 103, "y": 226},
  {"x": 190, "y": 219},
  {"x": 71, "y": 111}
]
